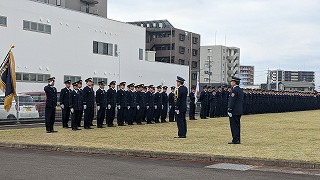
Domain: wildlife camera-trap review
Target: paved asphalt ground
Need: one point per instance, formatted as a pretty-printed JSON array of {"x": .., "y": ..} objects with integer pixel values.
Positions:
[{"x": 36, "y": 164}]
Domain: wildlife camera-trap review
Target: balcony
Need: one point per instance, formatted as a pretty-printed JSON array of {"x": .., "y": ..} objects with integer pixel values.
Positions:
[
  {"x": 90, "y": 10},
  {"x": 90, "y": 1}
]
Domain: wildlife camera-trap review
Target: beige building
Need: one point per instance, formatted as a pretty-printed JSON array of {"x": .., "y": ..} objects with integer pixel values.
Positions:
[
  {"x": 218, "y": 64},
  {"x": 96, "y": 7},
  {"x": 247, "y": 75}
]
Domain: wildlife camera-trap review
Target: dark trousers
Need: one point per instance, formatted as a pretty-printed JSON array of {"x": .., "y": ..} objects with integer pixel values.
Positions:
[
  {"x": 182, "y": 124},
  {"x": 88, "y": 116},
  {"x": 157, "y": 114},
  {"x": 129, "y": 115},
  {"x": 50, "y": 117},
  {"x": 75, "y": 116},
  {"x": 65, "y": 116},
  {"x": 150, "y": 114},
  {"x": 192, "y": 111},
  {"x": 171, "y": 114},
  {"x": 121, "y": 115},
  {"x": 144, "y": 116},
  {"x": 139, "y": 115},
  {"x": 235, "y": 127},
  {"x": 80, "y": 118},
  {"x": 212, "y": 111},
  {"x": 164, "y": 113},
  {"x": 203, "y": 111},
  {"x": 208, "y": 110},
  {"x": 110, "y": 115},
  {"x": 100, "y": 116}
]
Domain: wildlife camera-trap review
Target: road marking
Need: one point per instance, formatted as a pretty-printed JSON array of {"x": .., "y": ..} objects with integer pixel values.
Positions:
[{"x": 226, "y": 166}]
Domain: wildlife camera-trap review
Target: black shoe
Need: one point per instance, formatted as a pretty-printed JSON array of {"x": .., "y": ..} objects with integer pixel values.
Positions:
[
  {"x": 92, "y": 125},
  {"x": 140, "y": 124},
  {"x": 100, "y": 127},
  {"x": 122, "y": 125},
  {"x": 150, "y": 123},
  {"x": 111, "y": 125},
  {"x": 163, "y": 121},
  {"x": 76, "y": 129},
  {"x": 238, "y": 142},
  {"x": 88, "y": 127},
  {"x": 130, "y": 124},
  {"x": 65, "y": 127},
  {"x": 54, "y": 131},
  {"x": 48, "y": 131},
  {"x": 181, "y": 137}
]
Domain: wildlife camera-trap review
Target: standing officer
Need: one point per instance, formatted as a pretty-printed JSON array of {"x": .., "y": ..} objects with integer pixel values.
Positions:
[
  {"x": 121, "y": 104},
  {"x": 51, "y": 103},
  {"x": 88, "y": 103},
  {"x": 204, "y": 101},
  {"x": 235, "y": 107},
  {"x": 130, "y": 104},
  {"x": 164, "y": 107},
  {"x": 171, "y": 104},
  {"x": 150, "y": 104},
  {"x": 157, "y": 104},
  {"x": 213, "y": 103},
  {"x": 192, "y": 104},
  {"x": 111, "y": 103},
  {"x": 140, "y": 105},
  {"x": 64, "y": 103},
  {"x": 101, "y": 100},
  {"x": 76, "y": 106},
  {"x": 208, "y": 103},
  {"x": 181, "y": 108},
  {"x": 81, "y": 94},
  {"x": 144, "y": 91}
]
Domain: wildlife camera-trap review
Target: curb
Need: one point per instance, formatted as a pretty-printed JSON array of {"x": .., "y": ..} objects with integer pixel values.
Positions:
[{"x": 169, "y": 155}]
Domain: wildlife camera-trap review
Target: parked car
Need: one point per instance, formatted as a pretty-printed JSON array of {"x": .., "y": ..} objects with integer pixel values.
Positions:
[
  {"x": 24, "y": 105},
  {"x": 40, "y": 102}
]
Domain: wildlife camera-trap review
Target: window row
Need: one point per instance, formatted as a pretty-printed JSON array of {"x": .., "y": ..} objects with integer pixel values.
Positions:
[
  {"x": 105, "y": 48},
  {"x": 32, "y": 77},
  {"x": 37, "y": 27}
]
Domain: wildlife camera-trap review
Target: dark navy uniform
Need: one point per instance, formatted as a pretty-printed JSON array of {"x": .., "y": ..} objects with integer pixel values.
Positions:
[
  {"x": 181, "y": 109},
  {"x": 76, "y": 106},
  {"x": 101, "y": 100},
  {"x": 150, "y": 106},
  {"x": 51, "y": 103},
  {"x": 88, "y": 103},
  {"x": 131, "y": 105},
  {"x": 64, "y": 103},
  {"x": 192, "y": 105},
  {"x": 213, "y": 105},
  {"x": 140, "y": 106},
  {"x": 171, "y": 106},
  {"x": 157, "y": 105},
  {"x": 122, "y": 105},
  {"x": 235, "y": 110},
  {"x": 164, "y": 111},
  {"x": 111, "y": 105},
  {"x": 204, "y": 102},
  {"x": 81, "y": 114}
]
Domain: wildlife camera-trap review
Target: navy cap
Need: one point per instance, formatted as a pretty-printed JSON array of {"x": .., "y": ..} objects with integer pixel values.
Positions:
[
  {"x": 112, "y": 83},
  {"x": 159, "y": 87},
  {"x": 75, "y": 84},
  {"x": 123, "y": 83},
  {"x": 193, "y": 87},
  {"x": 79, "y": 82},
  {"x": 180, "y": 79},
  {"x": 205, "y": 86},
  {"x": 67, "y": 82},
  {"x": 150, "y": 86},
  {"x": 235, "y": 79},
  {"x": 51, "y": 79},
  {"x": 101, "y": 82},
  {"x": 165, "y": 87},
  {"x": 173, "y": 87},
  {"x": 88, "y": 80}
]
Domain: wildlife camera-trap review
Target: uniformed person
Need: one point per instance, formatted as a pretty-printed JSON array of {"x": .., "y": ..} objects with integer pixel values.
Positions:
[
  {"x": 235, "y": 108},
  {"x": 144, "y": 92},
  {"x": 204, "y": 101},
  {"x": 172, "y": 104},
  {"x": 150, "y": 104},
  {"x": 165, "y": 100},
  {"x": 64, "y": 103},
  {"x": 101, "y": 101},
  {"x": 76, "y": 106},
  {"x": 111, "y": 103},
  {"x": 81, "y": 94},
  {"x": 130, "y": 104},
  {"x": 181, "y": 108},
  {"x": 213, "y": 103},
  {"x": 192, "y": 104},
  {"x": 140, "y": 105},
  {"x": 208, "y": 103},
  {"x": 157, "y": 104},
  {"x": 121, "y": 104},
  {"x": 51, "y": 104},
  {"x": 88, "y": 103}
]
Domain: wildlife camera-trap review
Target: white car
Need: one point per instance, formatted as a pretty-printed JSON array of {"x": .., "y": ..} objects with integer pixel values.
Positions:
[{"x": 24, "y": 108}]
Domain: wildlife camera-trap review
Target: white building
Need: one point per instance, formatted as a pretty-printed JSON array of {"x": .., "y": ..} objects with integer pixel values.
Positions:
[
  {"x": 68, "y": 44},
  {"x": 247, "y": 75},
  {"x": 218, "y": 64}
]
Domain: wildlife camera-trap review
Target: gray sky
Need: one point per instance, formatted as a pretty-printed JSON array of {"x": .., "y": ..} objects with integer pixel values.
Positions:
[{"x": 271, "y": 33}]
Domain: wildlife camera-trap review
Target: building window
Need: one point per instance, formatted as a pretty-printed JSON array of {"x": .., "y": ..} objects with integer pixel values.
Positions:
[
  {"x": 98, "y": 79},
  {"x": 195, "y": 40},
  {"x": 181, "y": 61},
  {"x": 194, "y": 76},
  {"x": 206, "y": 79},
  {"x": 36, "y": 27},
  {"x": 72, "y": 78},
  {"x": 102, "y": 48},
  {"x": 58, "y": 2},
  {"x": 32, "y": 77},
  {"x": 182, "y": 50},
  {"x": 194, "y": 64},
  {"x": 140, "y": 54},
  {"x": 46, "y": 1},
  {"x": 3, "y": 21},
  {"x": 194, "y": 52},
  {"x": 116, "y": 50},
  {"x": 182, "y": 37},
  {"x": 209, "y": 50},
  {"x": 209, "y": 58}
]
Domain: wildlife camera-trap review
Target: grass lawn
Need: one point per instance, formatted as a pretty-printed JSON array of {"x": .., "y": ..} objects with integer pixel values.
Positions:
[{"x": 287, "y": 136}]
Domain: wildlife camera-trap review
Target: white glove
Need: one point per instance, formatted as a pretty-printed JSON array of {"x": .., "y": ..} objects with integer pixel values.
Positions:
[
  {"x": 119, "y": 106},
  {"x": 138, "y": 107},
  {"x": 155, "y": 107},
  {"x": 128, "y": 107},
  {"x": 170, "y": 107},
  {"x": 98, "y": 108},
  {"x": 58, "y": 104},
  {"x": 147, "y": 107},
  {"x": 177, "y": 111},
  {"x": 84, "y": 106},
  {"x": 162, "y": 106},
  {"x": 229, "y": 114},
  {"x": 72, "y": 110},
  {"x": 109, "y": 106},
  {"x": 200, "y": 105},
  {"x": 62, "y": 106}
]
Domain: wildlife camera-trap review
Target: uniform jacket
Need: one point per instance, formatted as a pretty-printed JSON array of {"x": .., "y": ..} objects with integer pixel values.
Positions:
[
  {"x": 203, "y": 98},
  {"x": 101, "y": 98},
  {"x": 165, "y": 99},
  {"x": 192, "y": 98},
  {"x": 88, "y": 96},
  {"x": 65, "y": 96},
  {"x": 181, "y": 103},
  {"x": 111, "y": 97},
  {"x": 213, "y": 100},
  {"x": 171, "y": 99},
  {"x": 76, "y": 101},
  {"x": 236, "y": 101},
  {"x": 149, "y": 99},
  {"x": 51, "y": 93},
  {"x": 158, "y": 99},
  {"x": 121, "y": 98}
]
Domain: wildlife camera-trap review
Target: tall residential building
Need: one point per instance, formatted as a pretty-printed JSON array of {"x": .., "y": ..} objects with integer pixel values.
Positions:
[
  {"x": 218, "y": 64},
  {"x": 247, "y": 75},
  {"x": 173, "y": 45},
  {"x": 96, "y": 7},
  {"x": 291, "y": 76}
]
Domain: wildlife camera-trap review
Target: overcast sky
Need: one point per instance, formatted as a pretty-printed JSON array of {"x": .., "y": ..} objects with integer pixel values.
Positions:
[{"x": 270, "y": 33}]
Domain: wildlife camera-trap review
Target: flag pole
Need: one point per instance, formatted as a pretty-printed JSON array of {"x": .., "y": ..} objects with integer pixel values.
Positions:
[{"x": 5, "y": 59}]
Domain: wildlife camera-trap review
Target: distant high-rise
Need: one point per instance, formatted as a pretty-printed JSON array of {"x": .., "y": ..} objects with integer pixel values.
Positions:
[
  {"x": 247, "y": 75},
  {"x": 292, "y": 76}
]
